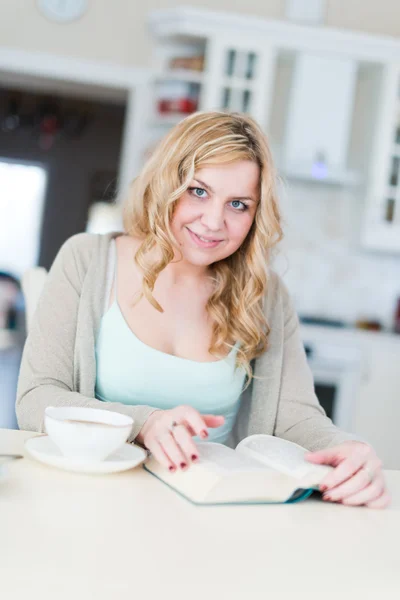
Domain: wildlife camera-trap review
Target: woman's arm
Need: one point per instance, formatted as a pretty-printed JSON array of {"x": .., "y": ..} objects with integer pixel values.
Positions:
[
  {"x": 47, "y": 368},
  {"x": 300, "y": 418}
]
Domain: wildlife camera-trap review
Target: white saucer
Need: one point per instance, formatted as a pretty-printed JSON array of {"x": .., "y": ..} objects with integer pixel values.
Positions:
[{"x": 45, "y": 451}]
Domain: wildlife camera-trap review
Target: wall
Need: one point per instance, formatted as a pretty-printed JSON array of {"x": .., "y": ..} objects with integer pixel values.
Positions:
[
  {"x": 327, "y": 271},
  {"x": 71, "y": 164},
  {"x": 116, "y": 31}
]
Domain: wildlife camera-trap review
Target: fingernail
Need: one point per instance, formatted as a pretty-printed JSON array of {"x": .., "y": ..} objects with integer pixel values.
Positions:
[
  {"x": 171, "y": 468},
  {"x": 325, "y": 497},
  {"x": 322, "y": 488},
  {"x": 183, "y": 465},
  {"x": 204, "y": 433},
  {"x": 194, "y": 457}
]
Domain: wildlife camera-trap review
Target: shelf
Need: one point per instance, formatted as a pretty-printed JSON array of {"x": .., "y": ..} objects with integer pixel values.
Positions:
[{"x": 181, "y": 75}]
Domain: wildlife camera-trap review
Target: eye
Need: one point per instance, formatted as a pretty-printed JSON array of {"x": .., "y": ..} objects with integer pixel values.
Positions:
[
  {"x": 194, "y": 190},
  {"x": 239, "y": 206}
]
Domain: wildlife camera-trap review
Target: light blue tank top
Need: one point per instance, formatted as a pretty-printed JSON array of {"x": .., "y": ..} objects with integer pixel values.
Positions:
[{"x": 131, "y": 372}]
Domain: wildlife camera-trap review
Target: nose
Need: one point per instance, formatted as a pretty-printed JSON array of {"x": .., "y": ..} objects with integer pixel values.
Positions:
[{"x": 213, "y": 216}]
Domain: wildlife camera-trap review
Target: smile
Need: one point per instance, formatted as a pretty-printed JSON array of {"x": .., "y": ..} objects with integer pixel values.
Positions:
[{"x": 203, "y": 242}]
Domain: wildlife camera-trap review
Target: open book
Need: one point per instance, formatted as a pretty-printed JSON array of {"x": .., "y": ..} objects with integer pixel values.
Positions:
[{"x": 262, "y": 469}]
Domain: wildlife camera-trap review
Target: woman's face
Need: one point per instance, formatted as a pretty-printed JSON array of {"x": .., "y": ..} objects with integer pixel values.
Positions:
[{"x": 213, "y": 217}]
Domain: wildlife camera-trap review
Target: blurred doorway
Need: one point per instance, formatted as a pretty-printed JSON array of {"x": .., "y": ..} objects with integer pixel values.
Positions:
[{"x": 73, "y": 146}]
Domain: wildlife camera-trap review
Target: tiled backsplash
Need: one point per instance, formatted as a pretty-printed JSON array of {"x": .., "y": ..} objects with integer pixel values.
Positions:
[{"x": 326, "y": 269}]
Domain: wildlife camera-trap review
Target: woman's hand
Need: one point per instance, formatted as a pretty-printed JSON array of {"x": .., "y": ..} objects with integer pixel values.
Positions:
[
  {"x": 357, "y": 478},
  {"x": 168, "y": 435}
]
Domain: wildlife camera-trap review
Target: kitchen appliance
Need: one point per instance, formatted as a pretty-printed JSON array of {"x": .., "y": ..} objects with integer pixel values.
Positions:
[{"x": 337, "y": 372}]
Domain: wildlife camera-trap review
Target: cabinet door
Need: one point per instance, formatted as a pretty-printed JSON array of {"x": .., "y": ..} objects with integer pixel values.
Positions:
[
  {"x": 239, "y": 77},
  {"x": 382, "y": 220},
  {"x": 377, "y": 414}
]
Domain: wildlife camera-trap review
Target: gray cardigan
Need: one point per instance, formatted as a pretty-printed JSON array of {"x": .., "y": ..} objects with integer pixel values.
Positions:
[{"x": 59, "y": 368}]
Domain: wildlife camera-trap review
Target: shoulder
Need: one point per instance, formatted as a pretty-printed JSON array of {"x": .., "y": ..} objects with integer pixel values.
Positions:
[
  {"x": 81, "y": 253},
  {"x": 82, "y": 247},
  {"x": 82, "y": 243}
]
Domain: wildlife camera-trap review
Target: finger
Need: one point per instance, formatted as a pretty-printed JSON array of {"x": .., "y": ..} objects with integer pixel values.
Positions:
[
  {"x": 357, "y": 482},
  {"x": 186, "y": 443},
  {"x": 368, "y": 494},
  {"x": 329, "y": 456},
  {"x": 195, "y": 421},
  {"x": 214, "y": 420},
  {"x": 172, "y": 450},
  {"x": 346, "y": 469},
  {"x": 382, "y": 502},
  {"x": 160, "y": 456}
]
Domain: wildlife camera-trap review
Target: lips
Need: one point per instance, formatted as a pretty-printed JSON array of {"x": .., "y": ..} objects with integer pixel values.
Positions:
[
  {"x": 203, "y": 242},
  {"x": 205, "y": 238}
]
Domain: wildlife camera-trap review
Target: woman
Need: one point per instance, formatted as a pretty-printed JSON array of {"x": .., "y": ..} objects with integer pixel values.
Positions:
[{"x": 180, "y": 323}]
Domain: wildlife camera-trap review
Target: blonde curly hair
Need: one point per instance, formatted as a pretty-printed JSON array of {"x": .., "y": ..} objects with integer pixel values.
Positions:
[{"x": 241, "y": 279}]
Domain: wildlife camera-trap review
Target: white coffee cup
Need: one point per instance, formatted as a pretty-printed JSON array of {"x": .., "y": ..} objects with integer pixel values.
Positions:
[{"x": 88, "y": 434}]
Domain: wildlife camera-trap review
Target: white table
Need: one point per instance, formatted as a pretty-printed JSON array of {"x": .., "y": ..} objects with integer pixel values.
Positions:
[{"x": 79, "y": 537}]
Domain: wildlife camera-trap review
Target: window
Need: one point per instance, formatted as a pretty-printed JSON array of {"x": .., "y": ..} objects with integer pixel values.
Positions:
[{"x": 22, "y": 193}]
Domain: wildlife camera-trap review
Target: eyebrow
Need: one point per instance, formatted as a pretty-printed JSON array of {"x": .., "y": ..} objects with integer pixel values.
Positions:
[{"x": 209, "y": 188}]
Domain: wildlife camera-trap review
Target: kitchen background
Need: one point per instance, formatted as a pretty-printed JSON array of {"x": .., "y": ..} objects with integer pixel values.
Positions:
[{"x": 87, "y": 88}]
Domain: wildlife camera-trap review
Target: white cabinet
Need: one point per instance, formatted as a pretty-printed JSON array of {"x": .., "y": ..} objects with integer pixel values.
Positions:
[
  {"x": 231, "y": 73},
  {"x": 362, "y": 370},
  {"x": 377, "y": 414},
  {"x": 206, "y": 60},
  {"x": 238, "y": 76},
  {"x": 382, "y": 220}
]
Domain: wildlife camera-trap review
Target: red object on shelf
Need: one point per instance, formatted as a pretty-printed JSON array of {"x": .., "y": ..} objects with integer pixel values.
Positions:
[
  {"x": 177, "y": 105},
  {"x": 397, "y": 317}
]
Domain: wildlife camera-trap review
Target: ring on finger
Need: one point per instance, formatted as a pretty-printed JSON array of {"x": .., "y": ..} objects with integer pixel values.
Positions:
[
  {"x": 369, "y": 472},
  {"x": 174, "y": 426}
]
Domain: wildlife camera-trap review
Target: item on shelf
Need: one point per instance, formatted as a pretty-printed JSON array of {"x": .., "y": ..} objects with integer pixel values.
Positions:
[
  {"x": 397, "y": 317},
  {"x": 369, "y": 325},
  {"x": 389, "y": 213},
  {"x": 397, "y": 134},
  {"x": 179, "y": 105},
  {"x": 177, "y": 97},
  {"x": 322, "y": 321},
  {"x": 192, "y": 63},
  {"x": 394, "y": 175}
]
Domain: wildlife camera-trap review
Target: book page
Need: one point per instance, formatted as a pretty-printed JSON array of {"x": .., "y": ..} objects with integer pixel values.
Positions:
[
  {"x": 222, "y": 475},
  {"x": 280, "y": 454},
  {"x": 225, "y": 461}
]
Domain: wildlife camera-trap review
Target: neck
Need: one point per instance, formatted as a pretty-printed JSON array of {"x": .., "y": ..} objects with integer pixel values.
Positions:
[{"x": 180, "y": 271}]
